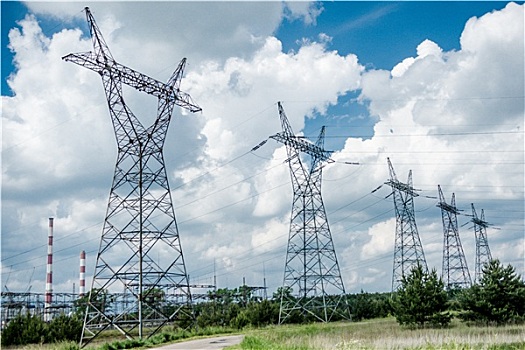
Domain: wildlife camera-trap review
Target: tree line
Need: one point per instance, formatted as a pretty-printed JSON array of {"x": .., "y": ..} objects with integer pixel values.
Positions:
[{"x": 421, "y": 301}]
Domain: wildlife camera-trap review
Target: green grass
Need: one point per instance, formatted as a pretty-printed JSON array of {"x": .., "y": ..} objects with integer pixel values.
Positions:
[
  {"x": 113, "y": 340},
  {"x": 383, "y": 334}
]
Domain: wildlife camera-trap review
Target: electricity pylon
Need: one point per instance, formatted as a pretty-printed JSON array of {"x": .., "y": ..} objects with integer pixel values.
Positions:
[
  {"x": 454, "y": 272},
  {"x": 140, "y": 250},
  {"x": 483, "y": 255},
  {"x": 312, "y": 284},
  {"x": 408, "y": 251}
]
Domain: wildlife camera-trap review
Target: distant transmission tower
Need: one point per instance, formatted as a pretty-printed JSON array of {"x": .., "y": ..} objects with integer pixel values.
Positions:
[
  {"x": 483, "y": 255},
  {"x": 408, "y": 251},
  {"x": 454, "y": 272},
  {"x": 140, "y": 223},
  {"x": 312, "y": 284}
]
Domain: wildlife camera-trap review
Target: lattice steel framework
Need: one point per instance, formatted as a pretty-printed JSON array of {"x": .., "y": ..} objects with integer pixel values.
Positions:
[
  {"x": 140, "y": 225},
  {"x": 408, "y": 251},
  {"x": 454, "y": 272},
  {"x": 311, "y": 274},
  {"x": 483, "y": 255}
]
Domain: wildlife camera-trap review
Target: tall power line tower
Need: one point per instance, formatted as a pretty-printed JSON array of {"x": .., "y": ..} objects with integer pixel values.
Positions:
[
  {"x": 312, "y": 284},
  {"x": 408, "y": 251},
  {"x": 140, "y": 252},
  {"x": 454, "y": 272},
  {"x": 483, "y": 255}
]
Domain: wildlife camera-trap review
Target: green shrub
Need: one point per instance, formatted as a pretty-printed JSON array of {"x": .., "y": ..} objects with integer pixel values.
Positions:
[
  {"x": 262, "y": 313},
  {"x": 24, "y": 329},
  {"x": 64, "y": 328},
  {"x": 365, "y": 305},
  {"x": 27, "y": 329},
  {"x": 240, "y": 321}
]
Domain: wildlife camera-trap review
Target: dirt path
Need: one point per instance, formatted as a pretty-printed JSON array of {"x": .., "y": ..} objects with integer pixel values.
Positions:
[{"x": 204, "y": 344}]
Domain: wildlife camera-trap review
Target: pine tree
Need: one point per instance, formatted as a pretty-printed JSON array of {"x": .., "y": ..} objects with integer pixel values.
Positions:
[
  {"x": 421, "y": 300},
  {"x": 499, "y": 297}
]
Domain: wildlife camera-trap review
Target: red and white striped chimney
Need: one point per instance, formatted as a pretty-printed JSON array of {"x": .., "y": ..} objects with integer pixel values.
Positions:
[
  {"x": 49, "y": 278},
  {"x": 82, "y": 288}
]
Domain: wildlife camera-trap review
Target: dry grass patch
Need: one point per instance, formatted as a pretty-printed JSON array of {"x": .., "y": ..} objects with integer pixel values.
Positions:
[{"x": 384, "y": 334}]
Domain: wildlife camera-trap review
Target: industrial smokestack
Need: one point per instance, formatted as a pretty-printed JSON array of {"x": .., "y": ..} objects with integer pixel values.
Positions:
[
  {"x": 82, "y": 288},
  {"x": 49, "y": 278}
]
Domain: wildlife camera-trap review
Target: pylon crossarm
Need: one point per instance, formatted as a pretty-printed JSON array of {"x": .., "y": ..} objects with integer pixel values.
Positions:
[
  {"x": 135, "y": 79},
  {"x": 448, "y": 208},
  {"x": 302, "y": 145},
  {"x": 480, "y": 222},
  {"x": 398, "y": 185}
]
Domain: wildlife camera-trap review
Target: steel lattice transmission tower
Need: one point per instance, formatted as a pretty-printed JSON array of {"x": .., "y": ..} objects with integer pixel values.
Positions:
[
  {"x": 483, "y": 255},
  {"x": 454, "y": 272},
  {"x": 140, "y": 226},
  {"x": 408, "y": 251},
  {"x": 312, "y": 277}
]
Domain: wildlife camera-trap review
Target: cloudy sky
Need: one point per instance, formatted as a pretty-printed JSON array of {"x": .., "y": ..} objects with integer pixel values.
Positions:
[{"x": 437, "y": 87}]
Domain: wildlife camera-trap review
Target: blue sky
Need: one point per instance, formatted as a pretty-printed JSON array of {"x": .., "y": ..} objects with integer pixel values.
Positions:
[
  {"x": 435, "y": 86},
  {"x": 397, "y": 28},
  {"x": 383, "y": 33}
]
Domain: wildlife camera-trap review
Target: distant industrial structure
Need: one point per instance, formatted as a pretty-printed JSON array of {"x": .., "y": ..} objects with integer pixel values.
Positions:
[
  {"x": 51, "y": 304},
  {"x": 82, "y": 275},
  {"x": 49, "y": 274},
  {"x": 48, "y": 304}
]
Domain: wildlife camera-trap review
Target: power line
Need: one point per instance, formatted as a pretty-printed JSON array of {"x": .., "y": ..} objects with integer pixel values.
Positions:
[
  {"x": 470, "y": 133},
  {"x": 97, "y": 224}
]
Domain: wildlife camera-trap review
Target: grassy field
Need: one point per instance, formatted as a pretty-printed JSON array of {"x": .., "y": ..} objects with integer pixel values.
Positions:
[
  {"x": 113, "y": 340},
  {"x": 383, "y": 334}
]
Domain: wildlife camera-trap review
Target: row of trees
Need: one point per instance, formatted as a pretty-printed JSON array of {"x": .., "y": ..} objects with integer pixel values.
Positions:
[
  {"x": 422, "y": 301},
  {"x": 239, "y": 308}
]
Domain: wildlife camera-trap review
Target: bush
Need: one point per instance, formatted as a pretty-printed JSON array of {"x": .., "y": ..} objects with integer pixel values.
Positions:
[
  {"x": 63, "y": 328},
  {"x": 499, "y": 298},
  {"x": 262, "y": 313},
  {"x": 240, "y": 321},
  {"x": 24, "y": 329},
  {"x": 421, "y": 300},
  {"x": 27, "y": 329},
  {"x": 369, "y": 305}
]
